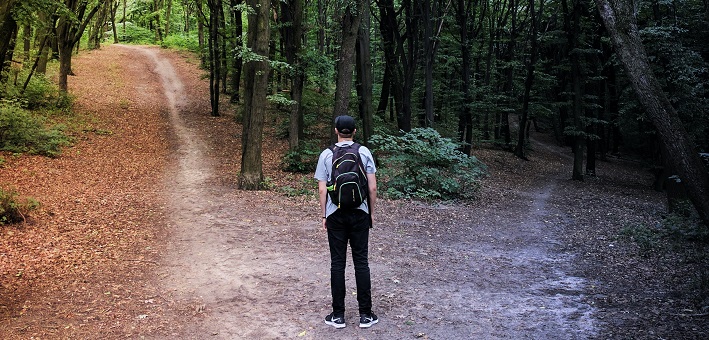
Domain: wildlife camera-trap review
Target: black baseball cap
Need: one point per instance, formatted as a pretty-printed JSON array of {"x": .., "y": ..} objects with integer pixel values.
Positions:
[{"x": 345, "y": 124}]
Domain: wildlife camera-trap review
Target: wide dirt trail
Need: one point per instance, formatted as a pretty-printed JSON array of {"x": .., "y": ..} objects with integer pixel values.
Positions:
[{"x": 255, "y": 264}]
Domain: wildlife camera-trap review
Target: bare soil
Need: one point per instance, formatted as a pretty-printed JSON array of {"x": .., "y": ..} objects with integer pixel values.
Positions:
[{"x": 144, "y": 234}]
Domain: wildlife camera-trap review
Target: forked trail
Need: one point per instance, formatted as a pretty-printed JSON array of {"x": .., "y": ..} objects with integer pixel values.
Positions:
[{"x": 256, "y": 264}]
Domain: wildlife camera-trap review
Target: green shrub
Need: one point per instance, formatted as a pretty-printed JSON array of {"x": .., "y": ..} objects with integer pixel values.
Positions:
[
  {"x": 422, "y": 164},
  {"x": 182, "y": 42},
  {"x": 21, "y": 131},
  {"x": 302, "y": 160},
  {"x": 134, "y": 34},
  {"x": 41, "y": 93},
  {"x": 648, "y": 239},
  {"x": 13, "y": 209}
]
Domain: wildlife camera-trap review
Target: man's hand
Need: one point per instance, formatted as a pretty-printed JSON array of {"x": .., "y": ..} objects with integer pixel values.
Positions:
[{"x": 324, "y": 226}]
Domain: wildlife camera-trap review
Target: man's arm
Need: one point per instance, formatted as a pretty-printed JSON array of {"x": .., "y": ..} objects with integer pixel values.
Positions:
[
  {"x": 322, "y": 193},
  {"x": 372, "y": 184}
]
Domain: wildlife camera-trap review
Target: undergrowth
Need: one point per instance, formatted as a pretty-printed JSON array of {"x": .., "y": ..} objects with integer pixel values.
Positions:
[
  {"x": 422, "y": 164},
  {"x": 683, "y": 234},
  {"x": 13, "y": 208}
]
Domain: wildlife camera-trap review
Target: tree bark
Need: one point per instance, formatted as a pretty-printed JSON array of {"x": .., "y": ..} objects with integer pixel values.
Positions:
[
  {"x": 214, "y": 55},
  {"x": 619, "y": 18},
  {"x": 364, "y": 76},
  {"x": 522, "y": 136},
  {"x": 251, "y": 177},
  {"x": 8, "y": 30},
  {"x": 68, "y": 34},
  {"x": 292, "y": 32},
  {"x": 350, "y": 20},
  {"x": 237, "y": 62}
]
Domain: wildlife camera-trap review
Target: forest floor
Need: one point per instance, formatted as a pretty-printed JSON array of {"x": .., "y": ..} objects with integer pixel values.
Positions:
[{"x": 143, "y": 234}]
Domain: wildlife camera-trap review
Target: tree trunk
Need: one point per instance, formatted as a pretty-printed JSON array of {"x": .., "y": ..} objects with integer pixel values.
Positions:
[
  {"x": 572, "y": 27},
  {"x": 619, "y": 18},
  {"x": 114, "y": 9},
  {"x": 8, "y": 30},
  {"x": 292, "y": 18},
  {"x": 27, "y": 42},
  {"x": 364, "y": 76},
  {"x": 237, "y": 62},
  {"x": 168, "y": 13},
  {"x": 214, "y": 55},
  {"x": 385, "y": 93},
  {"x": 522, "y": 136},
  {"x": 351, "y": 17},
  {"x": 465, "y": 118},
  {"x": 255, "y": 97},
  {"x": 69, "y": 32}
]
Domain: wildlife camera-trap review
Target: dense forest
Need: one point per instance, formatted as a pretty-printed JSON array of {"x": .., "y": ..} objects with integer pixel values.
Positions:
[{"x": 604, "y": 76}]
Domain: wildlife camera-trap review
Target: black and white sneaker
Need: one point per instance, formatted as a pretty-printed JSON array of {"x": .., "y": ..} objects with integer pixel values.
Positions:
[
  {"x": 335, "y": 321},
  {"x": 367, "y": 320}
]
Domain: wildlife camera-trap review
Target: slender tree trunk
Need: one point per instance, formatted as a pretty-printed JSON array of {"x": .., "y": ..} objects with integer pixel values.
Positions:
[
  {"x": 223, "y": 59},
  {"x": 237, "y": 62},
  {"x": 364, "y": 76},
  {"x": 200, "y": 32},
  {"x": 385, "y": 93},
  {"x": 214, "y": 54},
  {"x": 68, "y": 34},
  {"x": 292, "y": 31},
  {"x": 619, "y": 18},
  {"x": 27, "y": 42},
  {"x": 572, "y": 27},
  {"x": 114, "y": 9},
  {"x": 168, "y": 14},
  {"x": 255, "y": 97},
  {"x": 522, "y": 136},
  {"x": 351, "y": 17},
  {"x": 465, "y": 118},
  {"x": 8, "y": 31}
]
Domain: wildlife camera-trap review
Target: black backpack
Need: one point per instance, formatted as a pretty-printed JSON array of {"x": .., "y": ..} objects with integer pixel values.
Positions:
[{"x": 348, "y": 186}]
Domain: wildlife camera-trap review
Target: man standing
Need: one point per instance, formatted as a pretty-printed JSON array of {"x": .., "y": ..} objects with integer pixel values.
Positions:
[{"x": 345, "y": 225}]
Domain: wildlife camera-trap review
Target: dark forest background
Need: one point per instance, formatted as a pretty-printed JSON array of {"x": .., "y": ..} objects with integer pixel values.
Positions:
[{"x": 604, "y": 77}]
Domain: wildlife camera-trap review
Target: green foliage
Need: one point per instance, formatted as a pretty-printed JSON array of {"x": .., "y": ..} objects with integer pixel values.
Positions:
[
  {"x": 320, "y": 69},
  {"x": 674, "y": 231},
  {"x": 182, "y": 42},
  {"x": 135, "y": 34},
  {"x": 13, "y": 208},
  {"x": 422, "y": 164},
  {"x": 302, "y": 160},
  {"x": 647, "y": 239},
  {"x": 22, "y": 131},
  {"x": 41, "y": 93}
]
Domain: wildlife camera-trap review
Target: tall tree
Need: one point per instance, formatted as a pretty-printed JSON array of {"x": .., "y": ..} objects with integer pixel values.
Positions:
[
  {"x": 292, "y": 35},
  {"x": 572, "y": 26},
  {"x": 8, "y": 30},
  {"x": 214, "y": 54},
  {"x": 364, "y": 75},
  {"x": 520, "y": 150},
  {"x": 69, "y": 31},
  {"x": 620, "y": 20},
  {"x": 350, "y": 17},
  {"x": 236, "y": 45},
  {"x": 256, "y": 87},
  {"x": 433, "y": 15}
]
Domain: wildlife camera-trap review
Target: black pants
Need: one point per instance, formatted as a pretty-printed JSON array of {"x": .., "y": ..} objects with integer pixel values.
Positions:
[{"x": 352, "y": 226}]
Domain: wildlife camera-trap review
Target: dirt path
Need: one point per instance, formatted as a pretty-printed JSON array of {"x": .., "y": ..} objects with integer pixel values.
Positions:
[
  {"x": 258, "y": 268},
  {"x": 145, "y": 234}
]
